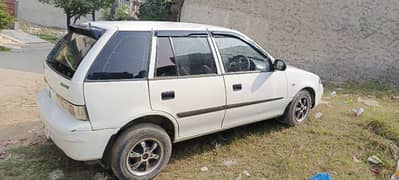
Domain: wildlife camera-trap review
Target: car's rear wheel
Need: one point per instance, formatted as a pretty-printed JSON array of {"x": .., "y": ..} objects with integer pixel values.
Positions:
[
  {"x": 298, "y": 110},
  {"x": 141, "y": 152}
]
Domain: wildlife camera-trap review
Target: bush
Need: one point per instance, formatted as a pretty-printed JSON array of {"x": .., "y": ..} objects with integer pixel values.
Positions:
[
  {"x": 156, "y": 10},
  {"x": 121, "y": 14},
  {"x": 5, "y": 19}
]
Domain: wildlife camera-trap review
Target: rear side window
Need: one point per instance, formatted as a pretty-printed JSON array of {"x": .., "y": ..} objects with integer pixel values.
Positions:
[
  {"x": 69, "y": 53},
  {"x": 184, "y": 56},
  {"x": 125, "y": 56}
]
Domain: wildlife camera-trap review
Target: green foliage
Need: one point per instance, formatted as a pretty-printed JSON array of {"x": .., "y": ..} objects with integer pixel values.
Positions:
[
  {"x": 5, "y": 19},
  {"x": 78, "y": 8},
  {"x": 122, "y": 13},
  {"x": 156, "y": 10}
]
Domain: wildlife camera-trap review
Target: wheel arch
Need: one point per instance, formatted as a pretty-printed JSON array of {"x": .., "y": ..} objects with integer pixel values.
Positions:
[
  {"x": 165, "y": 121},
  {"x": 312, "y": 94}
]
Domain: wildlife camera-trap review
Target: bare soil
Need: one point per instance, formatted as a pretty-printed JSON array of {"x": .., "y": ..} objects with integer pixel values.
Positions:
[{"x": 19, "y": 117}]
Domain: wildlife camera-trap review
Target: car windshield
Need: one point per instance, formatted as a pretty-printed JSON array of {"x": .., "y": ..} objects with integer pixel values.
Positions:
[{"x": 69, "y": 53}]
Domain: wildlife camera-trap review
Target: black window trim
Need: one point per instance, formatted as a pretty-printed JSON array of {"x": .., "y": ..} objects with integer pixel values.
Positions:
[
  {"x": 92, "y": 32},
  {"x": 177, "y": 33},
  {"x": 245, "y": 40},
  {"x": 180, "y": 33},
  {"x": 122, "y": 80}
]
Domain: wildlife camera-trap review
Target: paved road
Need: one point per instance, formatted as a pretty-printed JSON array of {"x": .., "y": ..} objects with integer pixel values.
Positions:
[{"x": 28, "y": 59}]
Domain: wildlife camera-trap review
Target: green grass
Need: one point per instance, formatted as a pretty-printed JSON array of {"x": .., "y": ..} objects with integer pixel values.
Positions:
[
  {"x": 4, "y": 49},
  {"x": 48, "y": 37},
  {"x": 266, "y": 149}
]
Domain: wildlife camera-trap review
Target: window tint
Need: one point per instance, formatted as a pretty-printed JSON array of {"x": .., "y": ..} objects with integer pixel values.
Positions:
[
  {"x": 166, "y": 65},
  {"x": 69, "y": 53},
  {"x": 125, "y": 56},
  {"x": 183, "y": 56},
  {"x": 238, "y": 56}
]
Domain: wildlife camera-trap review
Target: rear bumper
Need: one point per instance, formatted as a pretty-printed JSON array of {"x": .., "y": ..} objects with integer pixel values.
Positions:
[{"x": 76, "y": 138}]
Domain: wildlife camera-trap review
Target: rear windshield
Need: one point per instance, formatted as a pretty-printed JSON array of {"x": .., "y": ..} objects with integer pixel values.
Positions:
[{"x": 69, "y": 52}]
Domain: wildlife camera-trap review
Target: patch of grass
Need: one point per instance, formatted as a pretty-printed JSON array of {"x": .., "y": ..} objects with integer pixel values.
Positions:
[
  {"x": 367, "y": 88},
  {"x": 4, "y": 48},
  {"x": 36, "y": 162},
  {"x": 48, "y": 37},
  {"x": 265, "y": 149}
]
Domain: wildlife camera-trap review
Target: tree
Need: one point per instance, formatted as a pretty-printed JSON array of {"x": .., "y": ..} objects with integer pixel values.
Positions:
[
  {"x": 99, "y": 4},
  {"x": 5, "y": 19},
  {"x": 77, "y": 8},
  {"x": 156, "y": 10}
]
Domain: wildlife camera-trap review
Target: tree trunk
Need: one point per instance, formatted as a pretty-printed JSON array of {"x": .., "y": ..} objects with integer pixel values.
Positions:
[
  {"x": 93, "y": 14},
  {"x": 68, "y": 21},
  {"x": 113, "y": 9}
]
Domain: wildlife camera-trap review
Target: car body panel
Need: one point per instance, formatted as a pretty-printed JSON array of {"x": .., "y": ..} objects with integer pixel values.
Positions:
[{"x": 202, "y": 104}]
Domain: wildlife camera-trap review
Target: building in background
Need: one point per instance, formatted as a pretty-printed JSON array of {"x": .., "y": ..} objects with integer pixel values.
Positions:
[{"x": 339, "y": 40}]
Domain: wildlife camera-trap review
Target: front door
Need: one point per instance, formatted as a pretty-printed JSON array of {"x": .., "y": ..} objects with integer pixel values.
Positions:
[
  {"x": 254, "y": 91},
  {"x": 187, "y": 84}
]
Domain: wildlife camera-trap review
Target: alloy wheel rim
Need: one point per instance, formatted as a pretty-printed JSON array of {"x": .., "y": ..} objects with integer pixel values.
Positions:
[
  {"x": 301, "y": 109},
  {"x": 144, "y": 157}
]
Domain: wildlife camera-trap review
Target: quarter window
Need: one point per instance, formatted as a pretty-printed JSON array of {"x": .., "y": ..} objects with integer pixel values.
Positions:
[
  {"x": 239, "y": 56},
  {"x": 125, "y": 56},
  {"x": 184, "y": 56}
]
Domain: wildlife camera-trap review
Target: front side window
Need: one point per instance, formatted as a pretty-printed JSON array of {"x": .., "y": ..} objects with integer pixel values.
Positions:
[
  {"x": 239, "y": 56},
  {"x": 184, "y": 56},
  {"x": 125, "y": 56},
  {"x": 69, "y": 53}
]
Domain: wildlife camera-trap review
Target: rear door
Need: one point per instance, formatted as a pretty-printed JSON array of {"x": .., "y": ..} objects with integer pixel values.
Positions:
[
  {"x": 116, "y": 87},
  {"x": 187, "y": 83},
  {"x": 254, "y": 91}
]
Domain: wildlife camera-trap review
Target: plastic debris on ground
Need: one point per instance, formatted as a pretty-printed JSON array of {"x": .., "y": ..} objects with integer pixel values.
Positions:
[
  {"x": 356, "y": 159},
  {"x": 374, "y": 159},
  {"x": 357, "y": 111},
  {"x": 204, "y": 169},
  {"x": 321, "y": 176},
  {"x": 239, "y": 177},
  {"x": 376, "y": 164},
  {"x": 395, "y": 175},
  {"x": 318, "y": 115},
  {"x": 246, "y": 173},
  {"x": 334, "y": 93},
  {"x": 56, "y": 174}
]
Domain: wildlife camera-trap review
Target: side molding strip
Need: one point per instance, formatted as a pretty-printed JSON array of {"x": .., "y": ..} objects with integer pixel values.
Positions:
[{"x": 220, "y": 108}]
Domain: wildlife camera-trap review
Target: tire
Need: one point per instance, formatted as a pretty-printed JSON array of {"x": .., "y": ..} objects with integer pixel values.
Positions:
[
  {"x": 133, "y": 159},
  {"x": 291, "y": 116}
]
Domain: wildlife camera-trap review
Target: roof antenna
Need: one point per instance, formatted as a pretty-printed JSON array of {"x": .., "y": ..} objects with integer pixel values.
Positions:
[{"x": 89, "y": 25}]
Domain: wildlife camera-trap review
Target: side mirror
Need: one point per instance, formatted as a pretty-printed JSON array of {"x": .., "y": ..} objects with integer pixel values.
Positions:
[{"x": 279, "y": 65}]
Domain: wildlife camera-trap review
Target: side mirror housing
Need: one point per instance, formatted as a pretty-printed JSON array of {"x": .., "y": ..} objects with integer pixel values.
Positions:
[{"x": 280, "y": 65}]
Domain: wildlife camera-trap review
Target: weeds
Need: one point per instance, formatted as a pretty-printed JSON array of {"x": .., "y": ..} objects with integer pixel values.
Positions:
[{"x": 265, "y": 149}]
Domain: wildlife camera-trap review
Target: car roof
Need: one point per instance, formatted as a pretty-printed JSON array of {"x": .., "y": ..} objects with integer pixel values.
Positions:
[{"x": 155, "y": 25}]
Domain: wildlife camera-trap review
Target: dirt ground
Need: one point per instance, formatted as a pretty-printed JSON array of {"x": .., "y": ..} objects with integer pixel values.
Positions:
[{"x": 19, "y": 117}]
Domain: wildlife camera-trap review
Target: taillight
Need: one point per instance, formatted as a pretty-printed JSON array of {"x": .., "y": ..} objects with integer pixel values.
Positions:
[{"x": 79, "y": 112}]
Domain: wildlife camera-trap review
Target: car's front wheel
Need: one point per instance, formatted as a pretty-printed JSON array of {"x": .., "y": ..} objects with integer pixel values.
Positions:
[
  {"x": 141, "y": 152},
  {"x": 298, "y": 110}
]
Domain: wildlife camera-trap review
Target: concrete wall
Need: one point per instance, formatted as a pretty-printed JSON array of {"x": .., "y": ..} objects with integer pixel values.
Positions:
[
  {"x": 33, "y": 11},
  {"x": 341, "y": 40}
]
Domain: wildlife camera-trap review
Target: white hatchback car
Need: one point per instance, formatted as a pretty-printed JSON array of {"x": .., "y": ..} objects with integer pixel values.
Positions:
[{"x": 123, "y": 92}]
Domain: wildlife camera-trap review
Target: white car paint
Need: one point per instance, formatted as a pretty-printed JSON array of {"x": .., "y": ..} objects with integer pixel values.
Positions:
[{"x": 112, "y": 105}]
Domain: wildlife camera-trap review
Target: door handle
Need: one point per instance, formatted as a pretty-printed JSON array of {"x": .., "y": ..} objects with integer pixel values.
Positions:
[
  {"x": 168, "y": 95},
  {"x": 237, "y": 87}
]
